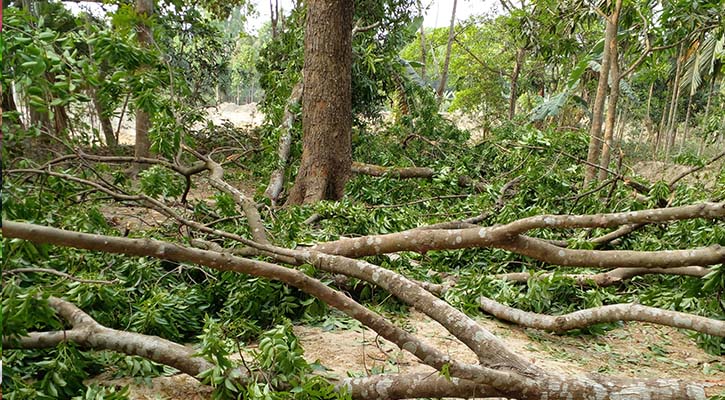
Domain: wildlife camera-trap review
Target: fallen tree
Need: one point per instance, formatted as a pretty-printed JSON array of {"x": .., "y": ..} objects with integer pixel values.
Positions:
[{"x": 499, "y": 372}]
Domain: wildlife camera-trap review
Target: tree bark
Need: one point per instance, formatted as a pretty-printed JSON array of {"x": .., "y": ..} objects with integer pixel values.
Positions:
[
  {"x": 662, "y": 129},
  {"x": 687, "y": 121},
  {"x": 274, "y": 16},
  {"x": 106, "y": 126},
  {"x": 142, "y": 147},
  {"x": 672, "y": 125},
  {"x": 447, "y": 60},
  {"x": 423, "y": 55},
  {"x": 595, "y": 132},
  {"x": 326, "y": 103},
  {"x": 615, "y": 79},
  {"x": 520, "y": 53}
]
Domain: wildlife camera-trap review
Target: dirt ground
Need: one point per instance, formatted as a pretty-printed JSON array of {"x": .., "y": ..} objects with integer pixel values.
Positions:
[
  {"x": 654, "y": 171},
  {"x": 634, "y": 350}
]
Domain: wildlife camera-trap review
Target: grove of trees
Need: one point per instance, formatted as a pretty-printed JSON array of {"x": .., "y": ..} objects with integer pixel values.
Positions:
[{"x": 559, "y": 166}]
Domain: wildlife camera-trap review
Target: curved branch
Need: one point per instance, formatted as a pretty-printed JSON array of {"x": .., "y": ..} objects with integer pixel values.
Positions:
[
  {"x": 612, "y": 313},
  {"x": 216, "y": 179},
  {"x": 90, "y": 334},
  {"x": 543, "y": 251},
  {"x": 276, "y": 180},
  {"x": 58, "y": 273}
]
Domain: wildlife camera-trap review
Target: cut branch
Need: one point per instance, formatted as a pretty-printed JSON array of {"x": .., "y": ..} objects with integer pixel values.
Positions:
[
  {"x": 249, "y": 207},
  {"x": 276, "y": 180},
  {"x": 90, "y": 334},
  {"x": 612, "y": 313},
  {"x": 402, "y": 173}
]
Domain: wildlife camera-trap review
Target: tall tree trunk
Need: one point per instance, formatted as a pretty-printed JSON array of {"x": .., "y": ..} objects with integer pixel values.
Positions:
[
  {"x": 8, "y": 104},
  {"x": 423, "y": 55},
  {"x": 447, "y": 60},
  {"x": 595, "y": 132},
  {"x": 649, "y": 126},
  {"x": 274, "y": 16},
  {"x": 662, "y": 128},
  {"x": 105, "y": 120},
  {"x": 672, "y": 125},
  {"x": 687, "y": 121},
  {"x": 707, "y": 112},
  {"x": 520, "y": 53},
  {"x": 142, "y": 147},
  {"x": 326, "y": 103},
  {"x": 615, "y": 79}
]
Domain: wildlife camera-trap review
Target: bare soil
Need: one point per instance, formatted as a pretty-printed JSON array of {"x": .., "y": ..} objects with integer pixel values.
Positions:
[{"x": 654, "y": 171}]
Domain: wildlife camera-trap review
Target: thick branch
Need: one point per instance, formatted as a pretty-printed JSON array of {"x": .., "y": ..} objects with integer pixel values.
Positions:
[
  {"x": 612, "y": 313},
  {"x": 505, "y": 237},
  {"x": 90, "y": 334},
  {"x": 410, "y": 386},
  {"x": 249, "y": 207},
  {"x": 276, "y": 180},
  {"x": 543, "y": 251},
  {"x": 402, "y": 173}
]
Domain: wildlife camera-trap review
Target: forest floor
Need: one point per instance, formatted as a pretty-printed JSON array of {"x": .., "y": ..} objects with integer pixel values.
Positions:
[{"x": 346, "y": 349}]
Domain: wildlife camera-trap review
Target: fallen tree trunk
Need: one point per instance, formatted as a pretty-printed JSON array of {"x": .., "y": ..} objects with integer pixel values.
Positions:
[{"x": 527, "y": 381}]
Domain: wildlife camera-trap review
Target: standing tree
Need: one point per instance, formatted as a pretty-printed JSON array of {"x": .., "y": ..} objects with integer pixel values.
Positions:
[
  {"x": 326, "y": 103},
  {"x": 142, "y": 148},
  {"x": 447, "y": 60}
]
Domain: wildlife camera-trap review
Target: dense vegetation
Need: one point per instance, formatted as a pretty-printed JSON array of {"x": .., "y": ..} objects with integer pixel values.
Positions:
[{"x": 66, "y": 170}]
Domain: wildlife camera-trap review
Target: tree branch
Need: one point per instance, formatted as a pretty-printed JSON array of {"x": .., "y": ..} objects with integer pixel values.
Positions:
[
  {"x": 612, "y": 313},
  {"x": 58, "y": 273}
]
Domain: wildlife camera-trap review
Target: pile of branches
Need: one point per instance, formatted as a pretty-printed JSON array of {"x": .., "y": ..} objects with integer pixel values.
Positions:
[{"x": 500, "y": 372}]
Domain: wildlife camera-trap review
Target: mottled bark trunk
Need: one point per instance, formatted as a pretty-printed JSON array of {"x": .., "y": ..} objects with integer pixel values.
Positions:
[
  {"x": 515, "y": 81},
  {"x": 274, "y": 16},
  {"x": 447, "y": 60},
  {"x": 614, "y": 78},
  {"x": 672, "y": 125},
  {"x": 105, "y": 120},
  {"x": 687, "y": 120},
  {"x": 326, "y": 103},
  {"x": 661, "y": 128},
  {"x": 8, "y": 103},
  {"x": 595, "y": 132},
  {"x": 142, "y": 146}
]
